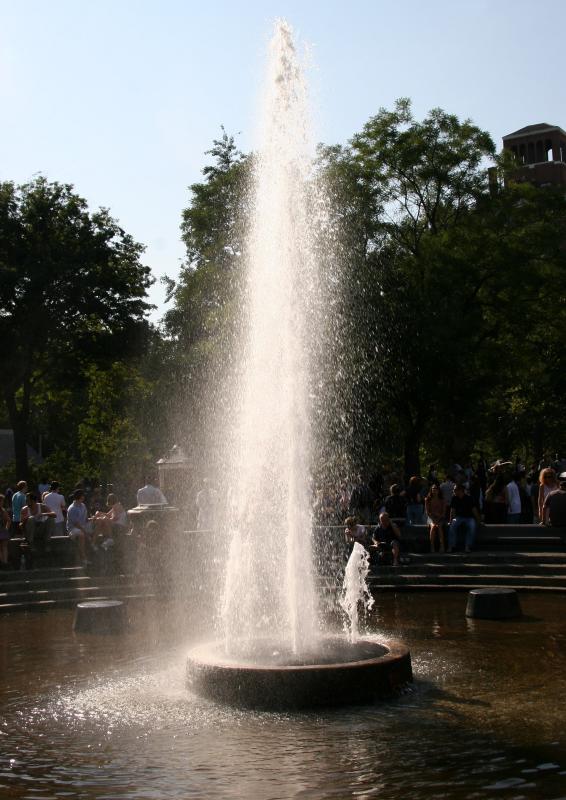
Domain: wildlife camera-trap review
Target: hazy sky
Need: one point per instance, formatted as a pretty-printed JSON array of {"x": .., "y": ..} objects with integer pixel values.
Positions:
[{"x": 122, "y": 98}]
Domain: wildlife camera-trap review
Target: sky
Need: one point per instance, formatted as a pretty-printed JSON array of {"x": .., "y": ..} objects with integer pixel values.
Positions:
[{"x": 122, "y": 98}]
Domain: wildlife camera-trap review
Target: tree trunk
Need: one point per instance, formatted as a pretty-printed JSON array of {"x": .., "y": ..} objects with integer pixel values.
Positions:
[
  {"x": 538, "y": 440},
  {"x": 19, "y": 421}
]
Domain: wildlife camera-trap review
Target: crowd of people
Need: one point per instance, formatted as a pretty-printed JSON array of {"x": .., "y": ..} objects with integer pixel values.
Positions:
[
  {"x": 374, "y": 509},
  {"x": 452, "y": 504},
  {"x": 92, "y": 515}
]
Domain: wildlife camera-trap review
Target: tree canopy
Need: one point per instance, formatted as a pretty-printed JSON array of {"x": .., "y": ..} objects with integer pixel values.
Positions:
[
  {"x": 72, "y": 290},
  {"x": 437, "y": 346}
]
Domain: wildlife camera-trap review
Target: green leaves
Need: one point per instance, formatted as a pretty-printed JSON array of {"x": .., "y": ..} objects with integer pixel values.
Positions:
[{"x": 72, "y": 286}]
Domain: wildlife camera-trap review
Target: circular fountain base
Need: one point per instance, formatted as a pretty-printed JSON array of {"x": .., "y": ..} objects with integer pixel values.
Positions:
[{"x": 340, "y": 673}]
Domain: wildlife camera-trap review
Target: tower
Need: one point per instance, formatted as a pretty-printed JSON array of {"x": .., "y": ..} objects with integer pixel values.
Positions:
[{"x": 540, "y": 151}]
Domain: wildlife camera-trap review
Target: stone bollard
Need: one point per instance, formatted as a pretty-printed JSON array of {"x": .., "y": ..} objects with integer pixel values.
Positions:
[
  {"x": 100, "y": 616},
  {"x": 493, "y": 603}
]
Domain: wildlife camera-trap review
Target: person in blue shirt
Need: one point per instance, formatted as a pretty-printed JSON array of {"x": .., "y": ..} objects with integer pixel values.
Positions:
[{"x": 19, "y": 500}]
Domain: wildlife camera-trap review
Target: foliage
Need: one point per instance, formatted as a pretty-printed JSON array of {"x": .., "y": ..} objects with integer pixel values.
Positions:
[
  {"x": 72, "y": 289},
  {"x": 443, "y": 293},
  {"x": 202, "y": 324},
  {"x": 111, "y": 439}
]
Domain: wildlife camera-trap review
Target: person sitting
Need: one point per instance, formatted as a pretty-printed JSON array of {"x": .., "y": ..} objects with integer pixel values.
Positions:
[
  {"x": 150, "y": 495},
  {"x": 78, "y": 525},
  {"x": 463, "y": 514},
  {"x": 110, "y": 524},
  {"x": 387, "y": 538},
  {"x": 356, "y": 533},
  {"x": 554, "y": 507},
  {"x": 34, "y": 517},
  {"x": 435, "y": 507}
]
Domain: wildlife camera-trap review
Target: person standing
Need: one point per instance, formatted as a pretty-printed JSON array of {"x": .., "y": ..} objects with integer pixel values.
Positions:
[
  {"x": 554, "y": 508},
  {"x": 495, "y": 505},
  {"x": 42, "y": 488},
  {"x": 435, "y": 507},
  {"x": 547, "y": 484},
  {"x": 19, "y": 500},
  {"x": 447, "y": 491},
  {"x": 395, "y": 503},
  {"x": 513, "y": 500},
  {"x": 55, "y": 501},
  {"x": 463, "y": 514}
]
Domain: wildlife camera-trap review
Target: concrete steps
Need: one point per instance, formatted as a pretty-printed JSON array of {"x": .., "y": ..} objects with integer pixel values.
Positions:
[
  {"x": 532, "y": 571},
  {"x": 50, "y": 587}
]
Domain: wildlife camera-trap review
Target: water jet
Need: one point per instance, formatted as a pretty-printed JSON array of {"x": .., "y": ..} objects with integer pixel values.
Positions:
[{"x": 271, "y": 648}]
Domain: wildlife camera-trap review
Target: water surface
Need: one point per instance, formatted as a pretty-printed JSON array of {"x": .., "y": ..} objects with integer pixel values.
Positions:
[{"x": 109, "y": 717}]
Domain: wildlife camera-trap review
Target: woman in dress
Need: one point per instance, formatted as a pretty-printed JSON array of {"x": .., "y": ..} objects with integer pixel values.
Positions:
[{"x": 435, "y": 507}]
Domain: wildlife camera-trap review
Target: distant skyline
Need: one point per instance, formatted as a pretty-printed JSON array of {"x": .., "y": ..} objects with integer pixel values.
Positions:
[{"x": 122, "y": 99}]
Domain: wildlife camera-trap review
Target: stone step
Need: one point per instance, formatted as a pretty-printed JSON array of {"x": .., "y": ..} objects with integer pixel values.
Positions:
[
  {"x": 66, "y": 592},
  {"x": 38, "y": 605},
  {"x": 479, "y": 579},
  {"x": 59, "y": 582},
  {"x": 41, "y": 573},
  {"x": 490, "y": 556},
  {"x": 474, "y": 567},
  {"x": 461, "y": 587}
]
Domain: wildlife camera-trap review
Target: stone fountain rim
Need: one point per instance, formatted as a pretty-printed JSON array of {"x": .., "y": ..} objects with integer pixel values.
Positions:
[{"x": 395, "y": 650}]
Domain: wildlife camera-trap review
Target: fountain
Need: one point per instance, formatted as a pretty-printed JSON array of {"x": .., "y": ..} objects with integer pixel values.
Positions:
[{"x": 270, "y": 649}]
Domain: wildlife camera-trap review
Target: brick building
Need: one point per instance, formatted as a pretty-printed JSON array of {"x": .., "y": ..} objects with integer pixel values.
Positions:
[{"x": 540, "y": 151}]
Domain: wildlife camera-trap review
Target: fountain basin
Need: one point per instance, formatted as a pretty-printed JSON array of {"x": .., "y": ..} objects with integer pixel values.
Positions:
[{"x": 340, "y": 673}]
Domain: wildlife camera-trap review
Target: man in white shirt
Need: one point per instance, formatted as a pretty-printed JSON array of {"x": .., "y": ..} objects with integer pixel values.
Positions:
[
  {"x": 55, "y": 501},
  {"x": 150, "y": 495},
  {"x": 513, "y": 499}
]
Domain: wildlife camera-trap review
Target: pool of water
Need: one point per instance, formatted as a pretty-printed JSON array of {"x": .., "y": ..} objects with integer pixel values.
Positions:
[{"x": 110, "y": 717}]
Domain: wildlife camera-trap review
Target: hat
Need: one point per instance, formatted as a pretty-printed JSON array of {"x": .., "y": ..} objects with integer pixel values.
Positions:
[{"x": 562, "y": 476}]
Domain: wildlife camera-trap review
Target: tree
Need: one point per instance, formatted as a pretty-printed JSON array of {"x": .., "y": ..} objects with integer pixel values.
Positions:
[
  {"x": 72, "y": 289},
  {"x": 412, "y": 182},
  {"x": 112, "y": 437},
  {"x": 202, "y": 324}
]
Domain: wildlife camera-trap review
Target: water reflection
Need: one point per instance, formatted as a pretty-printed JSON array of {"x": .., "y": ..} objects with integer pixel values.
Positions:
[{"x": 97, "y": 717}]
